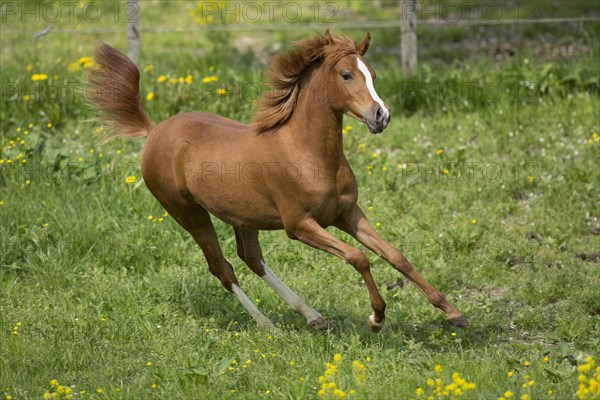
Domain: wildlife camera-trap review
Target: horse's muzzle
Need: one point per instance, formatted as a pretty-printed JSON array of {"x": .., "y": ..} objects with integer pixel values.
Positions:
[{"x": 377, "y": 120}]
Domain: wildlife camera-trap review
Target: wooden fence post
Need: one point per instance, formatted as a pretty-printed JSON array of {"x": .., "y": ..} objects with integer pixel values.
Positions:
[
  {"x": 408, "y": 36},
  {"x": 133, "y": 36}
]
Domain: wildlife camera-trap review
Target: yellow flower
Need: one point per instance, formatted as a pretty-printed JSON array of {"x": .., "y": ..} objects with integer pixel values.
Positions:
[
  {"x": 150, "y": 96},
  {"x": 526, "y": 363},
  {"x": 26, "y": 98},
  {"x": 440, "y": 152},
  {"x": 161, "y": 79},
  {"x": 473, "y": 221},
  {"x": 149, "y": 363},
  {"x": 99, "y": 390},
  {"x": 524, "y": 397},
  {"x": 49, "y": 125},
  {"x": 39, "y": 77},
  {"x": 430, "y": 382},
  {"x": 377, "y": 224},
  {"x": 221, "y": 91},
  {"x": 188, "y": 79},
  {"x": 339, "y": 394},
  {"x": 86, "y": 62},
  {"x": 337, "y": 357},
  {"x": 438, "y": 368},
  {"x": 510, "y": 374},
  {"x": 361, "y": 147},
  {"x": 28, "y": 68},
  {"x": 419, "y": 391},
  {"x": 73, "y": 67},
  {"x": 508, "y": 394},
  {"x": 130, "y": 179},
  {"x": 153, "y": 386},
  {"x": 209, "y": 79}
]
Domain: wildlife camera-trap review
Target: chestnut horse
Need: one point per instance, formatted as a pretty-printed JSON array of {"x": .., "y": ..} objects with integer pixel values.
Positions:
[{"x": 287, "y": 170}]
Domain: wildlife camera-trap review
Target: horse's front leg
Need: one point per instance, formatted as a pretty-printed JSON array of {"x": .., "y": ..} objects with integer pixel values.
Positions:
[
  {"x": 355, "y": 223},
  {"x": 311, "y": 233}
]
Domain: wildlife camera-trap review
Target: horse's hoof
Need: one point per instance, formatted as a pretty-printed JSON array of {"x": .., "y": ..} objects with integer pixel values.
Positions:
[
  {"x": 266, "y": 324},
  {"x": 319, "y": 324},
  {"x": 459, "y": 322},
  {"x": 375, "y": 326}
]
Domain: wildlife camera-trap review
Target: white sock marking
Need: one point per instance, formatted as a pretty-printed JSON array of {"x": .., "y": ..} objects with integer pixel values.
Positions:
[
  {"x": 369, "y": 79},
  {"x": 291, "y": 298},
  {"x": 250, "y": 307}
]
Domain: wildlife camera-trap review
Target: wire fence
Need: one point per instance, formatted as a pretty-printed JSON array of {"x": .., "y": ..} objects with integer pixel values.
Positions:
[{"x": 381, "y": 24}]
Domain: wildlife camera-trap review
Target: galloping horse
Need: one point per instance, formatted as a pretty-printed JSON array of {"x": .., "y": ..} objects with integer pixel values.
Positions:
[{"x": 287, "y": 170}]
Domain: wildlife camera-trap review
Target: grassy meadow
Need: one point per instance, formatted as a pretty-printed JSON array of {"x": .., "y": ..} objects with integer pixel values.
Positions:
[{"x": 487, "y": 178}]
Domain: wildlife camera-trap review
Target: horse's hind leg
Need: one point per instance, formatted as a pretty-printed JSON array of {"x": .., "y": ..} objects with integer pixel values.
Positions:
[
  {"x": 248, "y": 249},
  {"x": 196, "y": 221}
]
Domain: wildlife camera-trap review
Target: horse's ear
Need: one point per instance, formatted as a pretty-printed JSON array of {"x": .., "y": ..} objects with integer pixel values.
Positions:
[
  {"x": 364, "y": 46},
  {"x": 327, "y": 36}
]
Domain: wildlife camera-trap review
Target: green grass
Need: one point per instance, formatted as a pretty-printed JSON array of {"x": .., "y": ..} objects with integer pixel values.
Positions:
[{"x": 500, "y": 221}]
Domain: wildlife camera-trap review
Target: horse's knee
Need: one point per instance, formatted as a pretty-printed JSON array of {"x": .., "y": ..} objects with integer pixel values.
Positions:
[{"x": 359, "y": 261}]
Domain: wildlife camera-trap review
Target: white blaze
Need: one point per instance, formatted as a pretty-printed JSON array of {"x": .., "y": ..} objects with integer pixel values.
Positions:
[{"x": 369, "y": 79}]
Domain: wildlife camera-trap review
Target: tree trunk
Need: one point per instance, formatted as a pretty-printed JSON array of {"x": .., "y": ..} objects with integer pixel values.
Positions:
[{"x": 408, "y": 36}]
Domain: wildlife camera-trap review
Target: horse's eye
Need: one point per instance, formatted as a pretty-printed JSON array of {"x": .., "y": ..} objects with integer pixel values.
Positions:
[{"x": 346, "y": 76}]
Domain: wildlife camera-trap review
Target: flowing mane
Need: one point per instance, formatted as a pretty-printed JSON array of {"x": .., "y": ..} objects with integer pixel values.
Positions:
[{"x": 286, "y": 72}]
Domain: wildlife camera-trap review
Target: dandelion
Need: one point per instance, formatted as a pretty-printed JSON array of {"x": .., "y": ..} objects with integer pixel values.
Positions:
[
  {"x": 149, "y": 364},
  {"x": 438, "y": 368},
  {"x": 99, "y": 390},
  {"x": 530, "y": 178},
  {"x": 439, "y": 152},
  {"x": 361, "y": 147},
  {"x": 39, "y": 77},
  {"x": 526, "y": 363},
  {"x": 510, "y": 374},
  {"x": 154, "y": 386},
  {"x": 49, "y": 125},
  {"x": 221, "y": 91},
  {"x": 26, "y": 98},
  {"x": 209, "y": 79},
  {"x": 150, "y": 96},
  {"x": 161, "y": 79},
  {"x": 86, "y": 62},
  {"x": 73, "y": 67},
  {"x": 130, "y": 179},
  {"x": 377, "y": 224},
  {"x": 337, "y": 357},
  {"x": 546, "y": 359},
  {"x": 508, "y": 394},
  {"x": 473, "y": 221},
  {"x": 188, "y": 79}
]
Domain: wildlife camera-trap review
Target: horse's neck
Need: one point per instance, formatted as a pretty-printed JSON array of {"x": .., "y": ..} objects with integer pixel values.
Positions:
[{"x": 316, "y": 128}]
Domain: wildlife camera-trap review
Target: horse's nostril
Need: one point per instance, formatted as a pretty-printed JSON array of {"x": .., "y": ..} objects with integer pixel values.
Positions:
[{"x": 379, "y": 114}]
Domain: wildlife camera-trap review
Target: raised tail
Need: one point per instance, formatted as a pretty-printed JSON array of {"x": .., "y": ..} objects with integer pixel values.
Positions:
[{"x": 115, "y": 93}]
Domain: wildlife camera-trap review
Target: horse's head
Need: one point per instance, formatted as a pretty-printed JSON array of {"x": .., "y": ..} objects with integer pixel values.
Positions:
[{"x": 353, "y": 80}]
